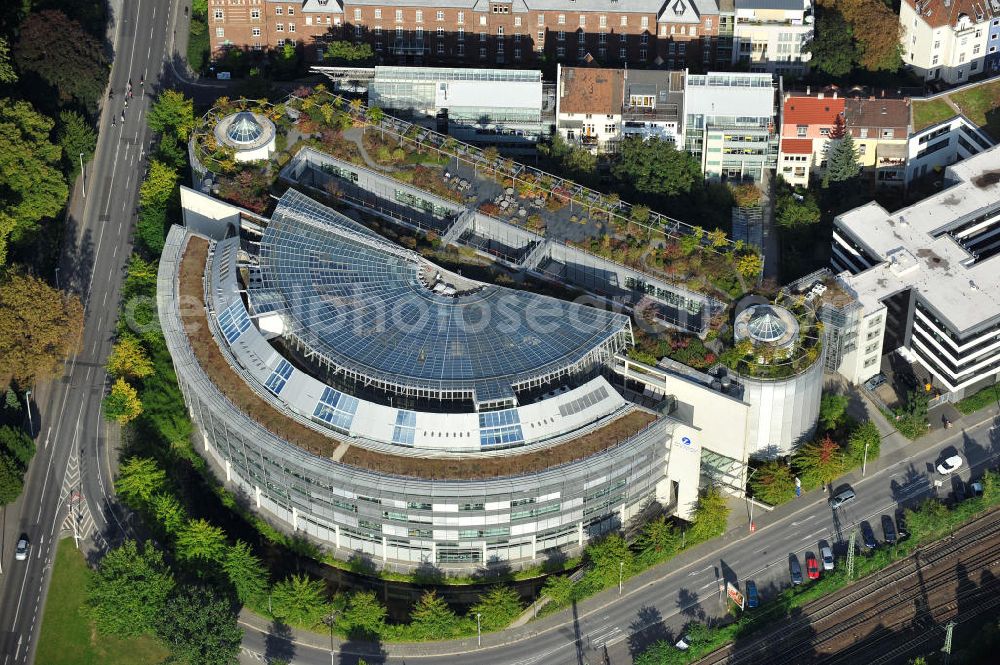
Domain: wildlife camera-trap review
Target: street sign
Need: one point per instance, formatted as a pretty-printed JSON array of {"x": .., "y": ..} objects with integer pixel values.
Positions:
[{"x": 735, "y": 595}]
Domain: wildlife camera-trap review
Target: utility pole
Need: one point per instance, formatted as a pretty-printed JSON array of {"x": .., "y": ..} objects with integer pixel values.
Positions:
[
  {"x": 948, "y": 629},
  {"x": 850, "y": 554},
  {"x": 27, "y": 401},
  {"x": 83, "y": 174},
  {"x": 479, "y": 629},
  {"x": 621, "y": 571},
  {"x": 864, "y": 463}
]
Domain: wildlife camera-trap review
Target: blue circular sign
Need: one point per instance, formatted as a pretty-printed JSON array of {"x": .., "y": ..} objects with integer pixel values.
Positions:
[{"x": 686, "y": 441}]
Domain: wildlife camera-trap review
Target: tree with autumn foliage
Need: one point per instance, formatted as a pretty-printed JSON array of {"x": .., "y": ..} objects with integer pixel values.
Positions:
[
  {"x": 773, "y": 483},
  {"x": 64, "y": 55},
  {"x": 876, "y": 30},
  {"x": 820, "y": 463}
]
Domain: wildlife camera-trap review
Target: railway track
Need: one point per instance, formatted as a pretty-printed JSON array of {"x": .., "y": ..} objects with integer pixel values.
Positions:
[{"x": 844, "y": 615}]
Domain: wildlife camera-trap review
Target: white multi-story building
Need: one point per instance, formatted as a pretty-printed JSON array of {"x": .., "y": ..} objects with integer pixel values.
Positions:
[
  {"x": 943, "y": 144},
  {"x": 928, "y": 279},
  {"x": 948, "y": 40},
  {"x": 589, "y": 105},
  {"x": 770, "y": 35}
]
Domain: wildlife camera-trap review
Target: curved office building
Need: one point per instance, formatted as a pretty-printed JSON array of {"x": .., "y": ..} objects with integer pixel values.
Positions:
[{"x": 354, "y": 392}]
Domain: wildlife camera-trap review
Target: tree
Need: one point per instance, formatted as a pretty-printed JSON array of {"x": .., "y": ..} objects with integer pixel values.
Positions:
[
  {"x": 375, "y": 115},
  {"x": 16, "y": 444},
  {"x": 340, "y": 52},
  {"x": 609, "y": 557},
  {"x": 745, "y": 195},
  {"x": 911, "y": 419},
  {"x": 773, "y": 483},
  {"x": 76, "y": 137},
  {"x": 32, "y": 187},
  {"x": 39, "y": 327},
  {"x": 128, "y": 359},
  {"x": 558, "y": 589},
  {"x": 842, "y": 161},
  {"x": 122, "y": 403},
  {"x": 11, "y": 480},
  {"x": 201, "y": 540},
  {"x": 128, "y": 593},
  {"x": 656, "y": 167},
  {"x": 497, "y": 607},
  {"x": 7, "y": 73},
  {"x": 299, "y": 600},
  {"x": 139, "y": 478},
  {"x": 659, "y": 538},
  {"x": 793, "y": 213},
  {"x": 832, "y": 410},
  {"x": 640, "y": 214},
  {"x": 64, "y": 55},
  {"x": 432, "y": 618},
  {"x": 833, "y": 49},
  {"x": 750, "y": 265},
  {"x": 200, "y": 627},
  {"x": 820, "y": 462},
  {"x": 158, "y": 186},
  {"x": 245, "y": 572},
  {"x": 718, "y": 238},
  {"x": 364, "y": 616},
  {"x": 172, "y": 113},
  {"x": 169, "y": 513},
  {"x": 709, "y": 516},
  {"x": 877, "y": 30},
  {"x": 865, "y": 436}
]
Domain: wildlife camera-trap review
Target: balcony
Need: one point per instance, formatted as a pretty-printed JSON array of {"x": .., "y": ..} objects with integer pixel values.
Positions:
[{"x": 649, "y": 114}]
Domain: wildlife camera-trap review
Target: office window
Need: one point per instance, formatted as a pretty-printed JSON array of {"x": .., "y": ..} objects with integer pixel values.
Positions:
[
  {"x": 937, "y": 44},
  {"x": 482, "y": 37},
  {"x": 934, "y": 60},
  {"x": 888, "y": 133},
  {"x": 255, "y": 14},
  {"x": 378, "y": 31},
  {"x": 643, "y": 54},
  {"x": 604, "y": 21},
  {"x": 461, "y": 34},
  {"x": 500, "y": 31},
  {"x": 220, "y": 32},
  {"x": 440, "y": 48},
  {"x": 219, "y": 15},
  {"x": 517, "y": 21},
  {"x": 461, "y": 18},
  {"x": 975, "y": 49},
  {"x": 562, "y": 36},
  {"x": 279, "y": 11},
  {"x": 644, "y": 39},
  {"x": 482, "y": 51},
  {"x": 420, "y": 16},
  {"x": 440, "y": 33},
  {"x": 482, "y": 19},
  {"x": 419, "y": 33},
  {"x": 560, "y": 52},
  {"x": 399, "y": 16},
  {"x": 644, "y": 22},
  {"x": 800, "y": 131},
  {"x": 824, "y": 131},
  {"x": 291, "y": 28},
  {"x": 562, "y": 19},
  {"x": 517, "y": 53},
  {"x": 583, "y": 20},
  {"x": 357, "y": 14},
  {"x": 291, "y": 11},
  {"x": 864, "y": 132},
  {"x": 517, "y": 38},
  {"x": 440, "y": 16},
  {"x": 279, "y": 27},
  {"x": 378, "y": 13},
  {"x": 541, "y": 19},
  {"x": 461, "y": 50},
  {"x": 280, "y": 43},
  {"x": 622, "y": 53},
  {"x": 256, "y": 32},
  {"x": 309, "y": 20},
  {"x": 602, "y": 38}
]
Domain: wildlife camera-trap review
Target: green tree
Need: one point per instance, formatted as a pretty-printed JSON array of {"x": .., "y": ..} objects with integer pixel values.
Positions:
[
  {"x": 16, "y": 443},
  {"x": 750, "y": 265},
  {"x": 820, "y": 463},
  {"x": 640, "y": 214},
  {"x": 375, "y": 115},
  {"x": 911, "y": 419},
  {"x": 773, "y": 483},
  {"x": 559, "y": 589},
  {"x": 299, "y": 600},
  {"x": 39, "y": 327},
  {"x": 32, "y": 187},
  {"x": 76, "y": 137},
  {"x": 364, "y": 616},
  {"x": 199, "y": 539},
  {"x": 200, "y": 626},
  {"x": 122, "y": 404},
  {"x": 745, "y": 195},
  {"x": 64, "y": 55},
  {"x": 793, "y": 214},
  {"x": 431, "y": 618},
  {"x": 245, "y": 571},
  {"x": 172, "y": 113},
  {"x": 864, "y": 436},
  {"x": 128, "y": 359},
  {"x": 158, "y": 186},
  {"x": 927, "y": 520},
  {"x": 7, "y": 73},
  {"x": 609, "y": 557},
  {"x": 497, "y": 607},
  {"x": 832, "y": 410},
  {"x": 341, "y": 52},
  {"x": 169, "y": 513},
  {"x": 833, "y": 49},
  {"x": 11, "y": 480},
  {"x": 129, "y": 591},
  {"x": 656, "y": 167},
  {"x": 659, "y": 538},
  {"x": 709, "y": 516},
  {"x": 842, "y": 163},
  {"x": 876, "y": 29},
  {"x": 139, "y": 478}
]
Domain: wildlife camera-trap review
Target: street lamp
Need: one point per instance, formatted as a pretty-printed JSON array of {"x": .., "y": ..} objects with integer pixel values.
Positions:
[
  {"x": 621, "y": 571},
  {"x": 84, "y": 175},
  {"x": 864, "y": 462},
  {"x": 479, "y": 629},
  {"x": 27, "y": 401}
]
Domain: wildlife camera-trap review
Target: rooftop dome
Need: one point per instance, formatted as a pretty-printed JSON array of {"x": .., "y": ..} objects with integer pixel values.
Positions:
[
  {"x": 244, "y": 128},
  {"x": 765, "y": 325}
]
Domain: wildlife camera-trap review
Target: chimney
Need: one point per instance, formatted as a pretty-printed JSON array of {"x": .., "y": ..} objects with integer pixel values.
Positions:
[
  {"x": 808, "y": 89},
  {"x": 834, "y": 94},
  {"x": 820, "y": 95}
]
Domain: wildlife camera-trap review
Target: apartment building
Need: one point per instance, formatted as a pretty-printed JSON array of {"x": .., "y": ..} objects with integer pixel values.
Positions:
[
  {"x": 880, "y": 128},
  {"x": 770, "y": 35},
  {"x": 729, "y": 124},
  {"x": 942, "y": 144},
  {"x": 806, "y": 123},
  {"x": 927, "y": 278},
  {"x": 643, "y": 33},
  {"x": 652, "y": 104},
  {"x": 950, "y": 40},
  {"x": 589, "y": 104}
]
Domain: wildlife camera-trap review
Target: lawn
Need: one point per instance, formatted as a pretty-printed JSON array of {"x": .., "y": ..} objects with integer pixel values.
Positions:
[
  {"x": 926, "y": 114},
  {"x": 68, "y": 638},
  {"x": 988, "y": 396},
  {"x": 982, "y": 106}
]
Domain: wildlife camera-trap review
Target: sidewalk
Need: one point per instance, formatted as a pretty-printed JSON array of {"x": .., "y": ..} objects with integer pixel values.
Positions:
[{"x": 895, "y": 449}]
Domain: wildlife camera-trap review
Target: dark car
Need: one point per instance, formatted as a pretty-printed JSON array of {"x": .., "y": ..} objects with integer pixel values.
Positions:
[
  {"x": 841, "y": 498},
  {"x": 752, "y": 598},
  {"x": 888, "y": 529},
  {"x": 976, "y": 488},
  {"x": 958, "y": 490},
  {"x": 868, "y": 536},
  {"x": 812, "y": 566},
  {"x": 796, "y": 570}
]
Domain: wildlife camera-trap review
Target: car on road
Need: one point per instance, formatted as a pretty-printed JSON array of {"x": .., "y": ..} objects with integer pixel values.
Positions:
[
  {"x": 752, "y": 598},
  {"x": 812, "y": 566},
  {"x": 875, "y": 382},
  {"x": 888, "y": 529},
  {"x": 868, "y": 536},
  {"x": 841, "y": 498},
  {"x": 950, "y": 465},
  {"x": 976, "y": 488},
  {"x": 683, "y": 643},
  {"x": 795, "y": 570},
  {"x": 21, "y": 552},
  {"x": 826, "y": 554}
]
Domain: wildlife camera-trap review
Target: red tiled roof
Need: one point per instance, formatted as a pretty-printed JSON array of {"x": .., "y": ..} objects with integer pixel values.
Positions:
[
  {"x": 938, "y": 13},
  {"x": 797, "y": 146},
  {"x": 812, "y": 110}
]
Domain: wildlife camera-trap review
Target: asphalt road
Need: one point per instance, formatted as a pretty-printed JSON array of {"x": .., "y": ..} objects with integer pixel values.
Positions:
[
  {"x": 659, "y": 607},
  {"x": 73, "y": 446}
]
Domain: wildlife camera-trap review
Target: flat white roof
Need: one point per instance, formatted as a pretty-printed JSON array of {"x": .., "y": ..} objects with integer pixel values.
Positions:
[
  {"x": 731, "y": 93},
  {"x": 488, "y": 94},
  {"x": 919, "y": 254}
]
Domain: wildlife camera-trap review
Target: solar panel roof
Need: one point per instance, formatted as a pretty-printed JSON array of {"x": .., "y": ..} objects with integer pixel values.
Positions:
[{"x": 360, "y": 301}]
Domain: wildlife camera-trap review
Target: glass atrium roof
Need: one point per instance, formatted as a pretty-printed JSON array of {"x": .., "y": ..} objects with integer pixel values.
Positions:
[
  {"x": 359, "y": 301},
  {"x": 766, "y": 326},
  {"x": 244, "y": 128}
]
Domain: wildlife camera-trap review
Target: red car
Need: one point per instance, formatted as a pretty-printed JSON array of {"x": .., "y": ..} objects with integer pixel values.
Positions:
[{"x": 812, "y": 567}]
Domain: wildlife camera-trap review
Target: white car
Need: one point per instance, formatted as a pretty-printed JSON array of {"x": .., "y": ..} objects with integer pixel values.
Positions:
[
  {"x": 683, "y": 643},
  {"x": 21, "y": 553},
  {"x": 826, "y": 554},
  {"x": 950, "y": 465}
]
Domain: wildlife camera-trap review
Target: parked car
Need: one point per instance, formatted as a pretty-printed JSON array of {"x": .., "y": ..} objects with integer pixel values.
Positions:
[
  {"x": 841, "y": 498},
  {"x": 21, "y": 551},
  {"x": 812, "y": 566},
  {"x": 868, "y": 536},
  {"x": 958, "y": 490},
  {"x": 826, "y": 554},
  {"x": 950, "y": 465},
  {"x": 901, "y": 528},
  {"x": 796, "y": 571},
  {"x": 752, "y": 598},
  {"x": 875, "y": 382},
  {"x": 976, "y": 488},
  {"x": 888, "y": 529},
  {"x": 683, "y": 643}
]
